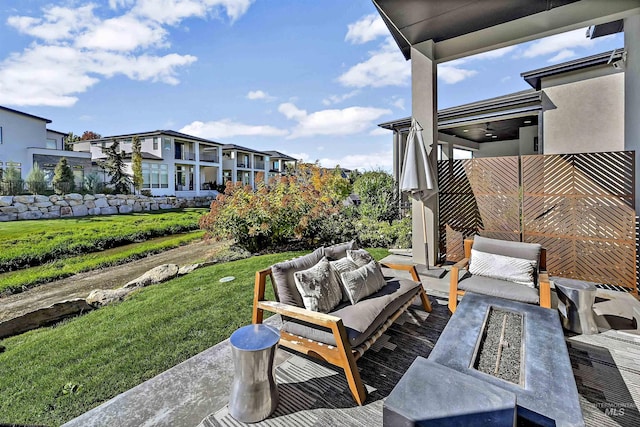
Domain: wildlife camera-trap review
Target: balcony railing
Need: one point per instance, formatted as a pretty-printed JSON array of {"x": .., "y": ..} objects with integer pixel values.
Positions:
[
  {"x": 259, "y": 164},
  {"x": 243, "y": 164},
  {"x": 186, "y": 156},
  {"x": 208, "y": 157}
]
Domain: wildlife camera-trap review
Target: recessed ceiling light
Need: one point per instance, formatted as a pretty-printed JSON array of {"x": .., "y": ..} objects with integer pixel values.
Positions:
[
  {"x": 526, "y": 122},
  {"x": 465, "y": 130},
  {"x": 494, "y": 136},
  {"x": 488, "y": 134}
]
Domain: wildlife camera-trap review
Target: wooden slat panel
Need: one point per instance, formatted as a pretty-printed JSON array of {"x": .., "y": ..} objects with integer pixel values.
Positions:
[{"x": 580, "y": 207}]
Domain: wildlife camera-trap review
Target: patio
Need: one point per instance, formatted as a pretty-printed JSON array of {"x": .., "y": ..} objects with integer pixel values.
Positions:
[{"x": 196, "y": 391}]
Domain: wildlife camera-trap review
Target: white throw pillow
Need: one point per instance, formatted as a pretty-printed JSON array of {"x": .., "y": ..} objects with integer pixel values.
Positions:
[
  {"x": 516, "y": 270},
  {"x": 319, "y": 287},
  {"x": 340, "y": 266},
  {"x": 359, "y": 256},
  {"x": 363, "y": 282}
]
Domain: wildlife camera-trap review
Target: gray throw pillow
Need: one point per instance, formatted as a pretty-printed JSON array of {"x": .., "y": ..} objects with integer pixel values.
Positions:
[
  {"x": 340, "y": 266},
  {"x": 319, "y": 287},
  {"x": 283, "y": 276},
  {"x": 511, "y": 269},
  {"x": 359, "y": 256},
  {"x": 339, "y": 250},
  {"x": 363, "y": 282}
]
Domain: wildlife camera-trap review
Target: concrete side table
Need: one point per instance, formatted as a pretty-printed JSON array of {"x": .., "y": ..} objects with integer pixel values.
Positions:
[
  {"x": 254, "y": 393},
  {"x": 575, "y": 304}
]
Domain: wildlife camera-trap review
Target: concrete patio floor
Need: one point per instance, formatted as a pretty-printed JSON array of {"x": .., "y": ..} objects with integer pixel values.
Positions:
[{"x": 187, "y": 393}]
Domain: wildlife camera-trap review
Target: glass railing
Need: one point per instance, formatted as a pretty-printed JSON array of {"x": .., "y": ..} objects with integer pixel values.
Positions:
[
  {"x": 208, "y": 157},
  {"x": 259, "y": 164}
]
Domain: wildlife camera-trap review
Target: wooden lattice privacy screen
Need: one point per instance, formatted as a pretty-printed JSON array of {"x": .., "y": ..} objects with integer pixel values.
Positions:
[{"x": 578, "y": 206}]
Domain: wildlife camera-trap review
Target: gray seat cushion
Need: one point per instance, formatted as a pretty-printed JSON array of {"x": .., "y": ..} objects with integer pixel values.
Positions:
[
  {"x": 522, "y": 250},
  {"x": 362, "y": 319},
  {"x": 499, "y": 288},
  {"x": 283, "y": 276}
]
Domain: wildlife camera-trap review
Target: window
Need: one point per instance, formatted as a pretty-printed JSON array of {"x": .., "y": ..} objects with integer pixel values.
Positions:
[
  {"x": 155, "y": 175},
  {"x": 0, "y": 134},
  {"x": 166, "y": 144},
  {"x": 52, "y": 144},
  {"x": 156, "y": 142}
]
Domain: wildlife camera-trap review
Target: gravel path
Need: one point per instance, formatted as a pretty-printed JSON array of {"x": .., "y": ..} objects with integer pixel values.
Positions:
[{"x": 80, "y": 285}]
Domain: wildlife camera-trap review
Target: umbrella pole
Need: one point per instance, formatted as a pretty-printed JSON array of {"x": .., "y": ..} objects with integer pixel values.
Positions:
[{"x": 438, "y": 273}]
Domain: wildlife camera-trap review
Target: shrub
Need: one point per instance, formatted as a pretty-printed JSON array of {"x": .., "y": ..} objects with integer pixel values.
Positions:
[
  {"x": 12, "y": 183},
  {"x": 36, "y": 183},
  {"x": 63, "y": 181},
  {"x": 92, "y": 183},
  {"x": 378, "y": 196},
  {"x": 305, "y": 206},
  {"x": 382, "y": 234}
]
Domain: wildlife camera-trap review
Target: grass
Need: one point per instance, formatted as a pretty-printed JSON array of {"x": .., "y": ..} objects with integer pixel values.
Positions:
[
  {"x": 51, "y": 375},
  {"x": 30, "y": 243},
  {"x": 16, "y": 281}
]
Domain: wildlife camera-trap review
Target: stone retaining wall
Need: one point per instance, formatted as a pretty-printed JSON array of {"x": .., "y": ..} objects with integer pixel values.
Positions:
[{"x": 13, "y": 208}]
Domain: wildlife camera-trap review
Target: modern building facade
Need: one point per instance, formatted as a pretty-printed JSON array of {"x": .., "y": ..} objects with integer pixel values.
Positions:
[{"x": 26, "y": 140}]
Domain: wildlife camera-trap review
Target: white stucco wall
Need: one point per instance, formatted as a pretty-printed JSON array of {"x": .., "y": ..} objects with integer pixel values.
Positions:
[
  {"x": 584, "y": 112},
  {"x": 498, "y": 148},
  {"x": 18, "y": 133}
]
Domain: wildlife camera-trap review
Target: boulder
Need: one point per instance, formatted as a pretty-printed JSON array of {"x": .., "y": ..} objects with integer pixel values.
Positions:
[
  {"x": 186, "y": 269},
  {"x": 65, "y": 211},
  {"x": 159, "y": 274},
  {"x": 20, "y": 207},
  {"x": 75, "y": 202},
  {"x": 166, "y": 206},
  {"x": 101, "y": 202},
  {"x": 4, "y": 218},
  {"x": 9, "y": 209},
  {"x": 23, "y": 199},
  {"x": 6, "y": 201},
  {"x": 43, "y": 204},
  {"x": 125, "y": 209},
  {"x": 89, "y": 197},
  {"x": 73, "y": 196},
  {"x": 94, "y": 211},
  {"x": 90, "y": 204},
  {"x": 30, "y": 215},
  {"x": 80, "y": 210},
  {"x": 109, "y": 210},
  {"x": 42, "y": 199},
  {"x": 115, "y": 202},
  {"x": 102, "y": 297},
  {"x": 137, "y": 207},
  {"x": 61, "y": 203},
  {"x": 43, "y": 316},
  {"x": 51, "y": 215}
]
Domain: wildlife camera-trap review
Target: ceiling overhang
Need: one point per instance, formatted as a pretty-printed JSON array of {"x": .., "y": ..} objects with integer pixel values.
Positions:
[{"x": 466, "y": 27}]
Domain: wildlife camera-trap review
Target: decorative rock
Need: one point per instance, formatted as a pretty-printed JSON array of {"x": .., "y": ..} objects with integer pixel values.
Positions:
[
  {"x": 101, "y": 202},
  {"x": 80, "y": 210},
  {"x": 42, "y": 199},
  {"x": 137, "y": 207},
  {"x": 4, "y": 218},
  {"x": 54, "y": 198},
  {"x": 90, "y": 204},
  {"x": 94, "y": 211},
  {"x": 116, "y": 202},
  {"x": 75, "y": 202},
  {"x": 65, "y": 211},
  {"x": 166, "y": 206},
  {"x": 33, "y": 208},
  {"x": 54, "y": 208},
  {"x": 186, "y": 269},
  {"x": 43, "y": 204},
  {"x": 43, "y": 316},
  {"x": 73, "y": 196},
  {"x": 9, "y": 209},
  {"x": 61, "y": 203},
  {"x": 109, "y": 210},
  {"x": 44, "y": 210},
  {"x": 102, "y": 297},
  {"x": 89, "y": 197},
  {"x": 30, "y": 215},
  {"x": 131, "y": 202},
  {"x": 154, "y": 206},
  {"x": 23, "y": 199},
  {"x": 20, "y": 207},
  {"x": 6, "y": 201},
  {"x": 159, "y": 274},
  {"x": 51, "y": 215},
  {"x": 125, "y": 209}
]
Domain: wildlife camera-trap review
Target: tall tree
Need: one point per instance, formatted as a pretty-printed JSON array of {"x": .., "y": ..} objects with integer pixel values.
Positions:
[
  {"x": 88, "y": 134},
  {"x": 36, "y": 183},
  {"x": 69, "y": 140},
  {"x": 115, "y": 167},
  {"x": 136, "y": 163},
  {"x": 63, "y": 181},
  {"x": 12, "y": 182}
]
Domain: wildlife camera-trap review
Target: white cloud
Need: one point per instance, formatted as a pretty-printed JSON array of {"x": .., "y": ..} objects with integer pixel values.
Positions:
[
  {"x": 227, "y": 128},
  {"x": 492, "y": 54},
  {"x": 558, "y": 43},
  {"x": 366, "y": 29},
  {"x": 380, "y": 132},
  {"x": 385, "y": 67},
  {"x": 78, "y": 47},
  {"x": 259, "y": 94},
  {"x": 398, "y": 103},
  {"x": 562, "y": 55},
  {"x": 336, "y": 99},
  {"x": 369, "y": 161},
  {"x": 452, "y": 74},
  {"x": 304, "y": 157},
  {"x": 347, "y": 121}
]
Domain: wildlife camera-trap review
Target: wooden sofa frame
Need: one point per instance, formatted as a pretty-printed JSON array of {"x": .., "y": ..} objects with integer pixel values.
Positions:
[
  {"x": 543, "y": 278},
  {"x": 340, "y": 355}
]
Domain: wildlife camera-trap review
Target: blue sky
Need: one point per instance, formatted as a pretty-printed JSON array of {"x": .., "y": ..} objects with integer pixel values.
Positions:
[{"x": 308, "y": 78}]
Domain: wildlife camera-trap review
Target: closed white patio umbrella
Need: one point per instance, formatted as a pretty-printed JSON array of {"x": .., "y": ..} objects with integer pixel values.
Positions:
[{"x": 417, "y": 179}]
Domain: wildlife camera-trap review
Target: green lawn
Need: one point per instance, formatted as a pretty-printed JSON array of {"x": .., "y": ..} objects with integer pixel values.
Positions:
[
  {"x": 31, "y": 243},
  {"x": 51, "y": 375},
  {"x": 23, "y": 279}
]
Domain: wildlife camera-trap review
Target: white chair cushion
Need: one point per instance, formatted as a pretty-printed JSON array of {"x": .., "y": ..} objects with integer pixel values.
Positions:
[{"x": 516, "y": 270}]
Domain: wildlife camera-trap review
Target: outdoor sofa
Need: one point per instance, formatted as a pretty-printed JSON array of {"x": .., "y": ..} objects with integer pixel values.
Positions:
[
  {"x": 342, "y": 334},
  {"x": 504, "y": 269}
]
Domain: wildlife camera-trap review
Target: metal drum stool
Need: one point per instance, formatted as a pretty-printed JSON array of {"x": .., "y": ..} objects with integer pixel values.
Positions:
[
  {"x": 575, "y": 303},
  {"x": 254, "y": 393}
]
